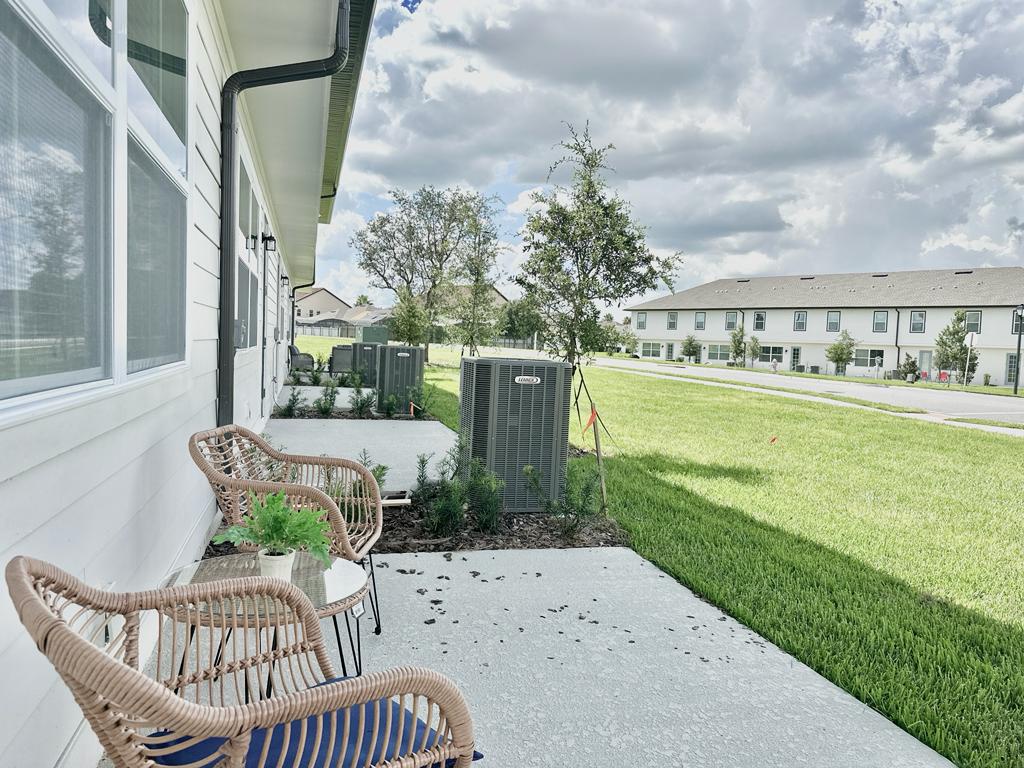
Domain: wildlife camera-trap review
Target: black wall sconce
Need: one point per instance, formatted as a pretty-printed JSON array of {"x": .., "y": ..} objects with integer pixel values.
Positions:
[{"x": 269, "y": 243}]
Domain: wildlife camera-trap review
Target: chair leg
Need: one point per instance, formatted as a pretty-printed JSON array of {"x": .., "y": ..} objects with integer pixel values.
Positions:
[{"x": 374, "y": 603}]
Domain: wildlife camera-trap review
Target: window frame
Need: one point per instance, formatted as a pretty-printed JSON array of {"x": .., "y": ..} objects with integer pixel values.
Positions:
[
  {"x": 768, "y": 353},
  {"x": 874, "y": 320},
  {"x": 700, "y": 320},
  {"x": 735, "y": 319},
  {"x": 828, "y": 320},
  {"x": 641, "y": 321},
  {"x": 761, "y": 315},
  {"x": 672, "y": 321},
  {"x": 1015, "y": 321},
  {"x": 716, "y": 354},
  {"x": 111, "y": 95},
  {"x": 796, "y": 327},
  {"x": 967, "y": 320},
  {"x": 924, "y": 320},
  {"x": 870, "y": 357},
  {"x": 645, "y": 345}
]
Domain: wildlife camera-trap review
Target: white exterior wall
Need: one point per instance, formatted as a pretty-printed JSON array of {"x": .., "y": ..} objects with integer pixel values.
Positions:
[
  {"x": 100, "y": 482},
  {"x": 320, "y": 302},
  {"x": 993, "y": 343}
]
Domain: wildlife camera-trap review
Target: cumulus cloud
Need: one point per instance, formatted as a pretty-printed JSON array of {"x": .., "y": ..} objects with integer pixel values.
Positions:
[{"x": 755, "y": 137}]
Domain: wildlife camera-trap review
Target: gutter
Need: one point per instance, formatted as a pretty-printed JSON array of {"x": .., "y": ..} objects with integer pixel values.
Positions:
[{"x": 233, "y": 87}]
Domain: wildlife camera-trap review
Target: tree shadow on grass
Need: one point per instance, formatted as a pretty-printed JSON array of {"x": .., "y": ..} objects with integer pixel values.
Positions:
[{"x": 950, "y": 676}]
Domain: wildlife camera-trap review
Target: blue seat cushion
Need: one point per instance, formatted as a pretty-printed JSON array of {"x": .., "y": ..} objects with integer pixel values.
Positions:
[{"x": 311, "y": 755}]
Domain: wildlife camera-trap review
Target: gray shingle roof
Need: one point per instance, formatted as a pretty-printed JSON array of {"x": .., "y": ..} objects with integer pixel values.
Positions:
[{"x": 977, "y": 287}]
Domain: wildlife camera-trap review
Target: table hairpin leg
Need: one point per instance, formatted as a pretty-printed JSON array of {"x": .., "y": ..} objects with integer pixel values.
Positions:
[
  {"x": 356, "y": 645},
  {"x": 341, "y": 652},
  {"x": 374, "y": 603}
]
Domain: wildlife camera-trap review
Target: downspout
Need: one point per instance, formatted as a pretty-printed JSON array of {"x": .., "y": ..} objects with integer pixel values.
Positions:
[
  {"x": 233, "y": 87},
  {"x": 291, "y": 339}
]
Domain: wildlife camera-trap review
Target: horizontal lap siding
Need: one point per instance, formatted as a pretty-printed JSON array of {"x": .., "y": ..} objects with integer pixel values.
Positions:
[{"x": 106, "y": 489}]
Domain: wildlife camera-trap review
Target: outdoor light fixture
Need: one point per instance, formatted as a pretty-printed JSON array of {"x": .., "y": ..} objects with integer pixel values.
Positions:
[
  {"x": 269, "y": 243},
  {"x": 284, "y": 280},
  {"x": 251, "y": 242}
]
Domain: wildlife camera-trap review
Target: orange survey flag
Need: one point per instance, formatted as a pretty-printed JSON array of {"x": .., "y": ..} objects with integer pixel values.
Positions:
[{"x": 590, "y": 421}]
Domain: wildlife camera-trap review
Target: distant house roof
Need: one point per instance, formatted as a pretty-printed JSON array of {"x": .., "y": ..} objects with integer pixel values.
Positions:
[
  {"x": 462, "y": 290},
  {"x": 977, "y": 287},
  {"x": 305, "y": 294}
]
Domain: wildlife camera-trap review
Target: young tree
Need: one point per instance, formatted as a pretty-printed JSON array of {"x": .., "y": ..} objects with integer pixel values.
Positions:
[
  {"x": 840, "y": 351},
  {"x": 690, "y": 348},
  {"x": 629, "y": 340},
  {"x": 474, "y": 309},
  {"x": 754, "y": 350},
  {"x": 738, "y": 345},
  {"x": 584, "y": 249},
  {"x": 362, "y": 300},
  {"x": 519, "y": 319},
  {"x": 417, "y": 246},
  {"x": 951, "y": 350},
  {"x": 409, "y": 320},
  {"x": 909, "y": 366}
]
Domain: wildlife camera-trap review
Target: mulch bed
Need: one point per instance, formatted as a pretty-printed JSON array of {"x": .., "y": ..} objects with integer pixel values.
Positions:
[
  {"x": 403, "y": 532},
  {"x": 312, "y": 413}
]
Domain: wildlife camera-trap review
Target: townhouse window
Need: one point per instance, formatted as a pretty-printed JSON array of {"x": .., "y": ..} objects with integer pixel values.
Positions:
[
  {"x": 719, "y": 352},
  {"x": 156, "y": 264},
  {"x": 699, "y": 318},
  {"x": 77, "y": 17},
  {"x": 917, "y": 321},
  {"x": 670, "y": 351},
  {"x": 1011, "y": 368},
  {"x": 832, "y": 320},
  {"x": 55, "y": 239},
  {"x": 973, "y": 318},
  {"x": 730, "y": 321},
  {"x": 1015, "y": 325},
  {"x": 641, "y": 321},
  {"x": 770, "y": 355},
  {"x": 650, "y": 349},
  {"x": 880, "y": 321},
  {"x": 673, "y": 321},
  {"x": 800, "y": 320},
  {"x": 759, "y": 320},
  {"x": 157, "y": 86},
  {"x": 868, "y": 358}
]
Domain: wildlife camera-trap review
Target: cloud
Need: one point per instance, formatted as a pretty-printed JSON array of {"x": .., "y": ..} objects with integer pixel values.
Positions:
[{"x": 756, "y": 137}]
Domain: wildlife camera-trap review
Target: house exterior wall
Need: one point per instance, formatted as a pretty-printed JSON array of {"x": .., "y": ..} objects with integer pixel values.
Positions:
[
  {"x": 993, "y": 343},
  {"x": 98, "y": 479},
  {"x": 319, "y": 303}
]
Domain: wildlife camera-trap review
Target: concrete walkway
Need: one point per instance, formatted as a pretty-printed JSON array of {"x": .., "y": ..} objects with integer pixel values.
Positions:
[
  {"x": 752, "y": 381},
  {"x": 395, "y": 443},
  {"x": 594, "y": 657}
]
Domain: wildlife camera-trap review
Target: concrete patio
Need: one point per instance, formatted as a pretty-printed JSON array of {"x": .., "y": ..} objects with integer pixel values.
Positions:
[{"x": 594, "y": 657}]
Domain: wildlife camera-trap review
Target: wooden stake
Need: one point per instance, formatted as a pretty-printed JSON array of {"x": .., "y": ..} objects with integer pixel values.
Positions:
[{"x": 600, "y": 462}]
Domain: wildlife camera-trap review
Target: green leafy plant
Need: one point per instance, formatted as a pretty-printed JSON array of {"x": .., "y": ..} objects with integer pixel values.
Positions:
[
  {"x": 908, "y": 367},
  {"x": 581, "y": 503},
  {"x": 446, "y": 512},
  {"x": 361, "y": 402},
  {"x": 315, "y": 377},
  {"x": 379, "y": 471},
  {"x": 321, "y": 362},
  {"x": 325, "y": 403},
  {"x": 390, "y": 406},
  {"x": 420, "y": 398},
  {"x": 276, "y": 527},
  {"x": 484, "y": 494},
  {"x": 294, "y": 379},
  {"x": 295, "y": 400}
]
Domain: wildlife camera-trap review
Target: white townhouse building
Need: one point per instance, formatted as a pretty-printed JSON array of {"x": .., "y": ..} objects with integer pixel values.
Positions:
[
  {"x": 890, "y": 314},
  {"x": 158, "y": 211}
]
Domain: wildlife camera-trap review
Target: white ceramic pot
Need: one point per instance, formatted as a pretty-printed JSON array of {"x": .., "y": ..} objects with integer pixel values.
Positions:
[{"x": 276, "y": 566}]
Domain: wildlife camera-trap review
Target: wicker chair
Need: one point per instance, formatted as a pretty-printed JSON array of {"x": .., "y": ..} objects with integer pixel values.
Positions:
[
  {"x": 263, "y": 695},
  {"x": 239, "y": 463},
  {"x": 299, "y": 361}
]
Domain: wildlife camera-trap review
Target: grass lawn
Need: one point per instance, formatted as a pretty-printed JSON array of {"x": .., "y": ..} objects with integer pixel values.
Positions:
[
  {"x": 991, "y": 423},
  {"x": 883, "y": 552}
]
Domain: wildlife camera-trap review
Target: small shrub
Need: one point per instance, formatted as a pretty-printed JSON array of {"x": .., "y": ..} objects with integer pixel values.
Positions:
[
  {"x": 294, "y": 379},
  {"x": 361, "y": 402},
  {"x": 446, "y": 512},
  {"x": 325, "y": 403},
  {"x": 908, "y": 367},
  {"x": 987, "y": 380},
  {"x": 295, "y": 399},
  {"x": 341, "y": 380},
  {"x": 315, "y": 377},
  {"x": 390, "y": 406},
  {"x": 355, "y": 378},
  {"x": 581, "y": 503},
  {"x": 484, "y": 494},
  {"x": 420, "y": 398},
  {"x": 321, "y": 362}
]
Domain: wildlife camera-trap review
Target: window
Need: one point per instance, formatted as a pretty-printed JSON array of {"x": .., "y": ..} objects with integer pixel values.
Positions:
[
  {"x": 917, "y": 321},
  {"x": 1015, "y": 325},
  {"x": 55, "y": 239},
  {"x": 156, "y": 264},
  {"x": 673, "y": 320},
  {"x": 641, "y": 321},
  {"x": 1011, "y": 368},
  {"x": 254, "y": 305},
  {"x": 880, "y": 321},
  {"x": 770, "y": 355},
  {"x": 730, "y": 321},
  {"x": 759, "y": 320},
  {"x": 719, "y": 352},
  {"x": 973, "y": 321},
  {"x": 650, "y": 349},
  {"x": 78, "y": 16},
  {"x": 699, "y": 319},
  {"x": 157, "y": 48},
  {"x": 868, "y": 358},
  {"x": 832, "y": 321},
  {"x": 800, "y": 320},
  {"x": 670, "y": 351}
]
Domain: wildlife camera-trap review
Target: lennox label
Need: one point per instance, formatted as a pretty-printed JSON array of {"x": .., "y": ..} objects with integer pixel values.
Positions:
[{"x": 527, "y": 379}]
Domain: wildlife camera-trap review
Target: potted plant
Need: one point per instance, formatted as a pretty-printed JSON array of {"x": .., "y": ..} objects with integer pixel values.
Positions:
[{"x": 278, "y": 531}]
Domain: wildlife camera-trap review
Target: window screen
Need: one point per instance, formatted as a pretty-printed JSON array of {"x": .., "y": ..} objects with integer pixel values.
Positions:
[
  {"x": 156, "y": 264},
  {"x": 55, "y": 255}
]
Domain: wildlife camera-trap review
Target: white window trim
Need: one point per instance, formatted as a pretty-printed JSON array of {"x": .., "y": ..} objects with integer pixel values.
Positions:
[
  {"x": 874, "y": 324},
  {"x": 981, "y": 318},
  {"x": 735, "y": 322},
  {"x": 703, "y": 320},
  {"x": 924, "y": 321},
  {"x": 795, "y": 313},
  {"x": 839, "y": 323},
  {"x": 763, "y": 314}
]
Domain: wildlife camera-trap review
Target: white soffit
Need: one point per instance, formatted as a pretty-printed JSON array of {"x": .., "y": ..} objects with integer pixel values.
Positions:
[{"x": 289, "y": 121}]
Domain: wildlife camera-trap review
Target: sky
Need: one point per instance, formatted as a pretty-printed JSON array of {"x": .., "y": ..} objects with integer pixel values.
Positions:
[{"x": 756, "y": 137}]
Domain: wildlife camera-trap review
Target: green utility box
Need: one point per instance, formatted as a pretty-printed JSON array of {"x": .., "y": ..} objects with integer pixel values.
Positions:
[{"x": 372, "y": 334}]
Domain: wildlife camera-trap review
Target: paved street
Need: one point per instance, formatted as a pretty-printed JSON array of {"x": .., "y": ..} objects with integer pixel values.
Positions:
[{"x": 943, "y": 403}]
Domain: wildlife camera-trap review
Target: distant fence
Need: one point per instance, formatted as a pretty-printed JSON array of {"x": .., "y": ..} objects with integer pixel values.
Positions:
[{"x": 348, "y": 331}]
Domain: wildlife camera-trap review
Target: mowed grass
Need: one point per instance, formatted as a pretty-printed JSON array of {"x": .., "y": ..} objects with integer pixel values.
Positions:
[{"x": 883, "y": 552}]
